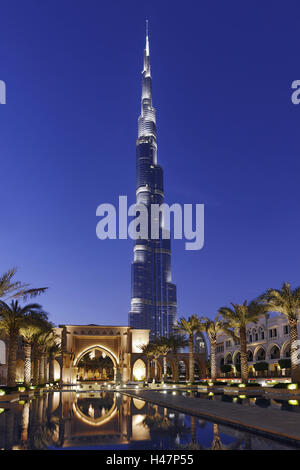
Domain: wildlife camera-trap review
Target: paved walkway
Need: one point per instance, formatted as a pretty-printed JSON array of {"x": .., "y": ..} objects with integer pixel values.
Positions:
[{"x": 268, "y": 422}]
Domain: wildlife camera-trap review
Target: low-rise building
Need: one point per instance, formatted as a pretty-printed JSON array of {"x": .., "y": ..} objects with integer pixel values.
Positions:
[{"x": 268, "y": 340}]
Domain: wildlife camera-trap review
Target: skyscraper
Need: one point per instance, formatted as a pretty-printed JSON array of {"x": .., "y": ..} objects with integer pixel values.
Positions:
[{"x": 153, "y": 295}]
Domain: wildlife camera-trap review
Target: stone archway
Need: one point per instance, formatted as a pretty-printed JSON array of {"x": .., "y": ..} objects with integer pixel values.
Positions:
[{"x": 88, "y": 350}]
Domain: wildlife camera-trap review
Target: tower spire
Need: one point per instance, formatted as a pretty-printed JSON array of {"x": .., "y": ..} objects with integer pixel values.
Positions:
[{"x": 147, "y": 39}]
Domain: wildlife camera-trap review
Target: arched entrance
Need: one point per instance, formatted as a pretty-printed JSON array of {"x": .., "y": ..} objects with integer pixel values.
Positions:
[{"x": 95, "y": 363}]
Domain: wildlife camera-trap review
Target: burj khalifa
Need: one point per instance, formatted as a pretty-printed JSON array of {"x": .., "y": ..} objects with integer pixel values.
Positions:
[{"x": 153, "y": 295}]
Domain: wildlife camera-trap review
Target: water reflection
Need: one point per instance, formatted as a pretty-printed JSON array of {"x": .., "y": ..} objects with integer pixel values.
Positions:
[{"x": 107, "y": 420}]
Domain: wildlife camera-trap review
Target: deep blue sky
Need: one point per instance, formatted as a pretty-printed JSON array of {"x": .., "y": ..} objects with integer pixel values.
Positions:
[{"x": 228, "y": 138}]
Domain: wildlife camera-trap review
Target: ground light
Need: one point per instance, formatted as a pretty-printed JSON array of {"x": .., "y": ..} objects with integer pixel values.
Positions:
[
  {"x": 293, "y": 402},
  {"x": 2, "y": 393},
  {"x": 292, "y": 386}
]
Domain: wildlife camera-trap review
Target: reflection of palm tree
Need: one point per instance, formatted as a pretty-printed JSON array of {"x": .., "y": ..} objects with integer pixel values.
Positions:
[
  {"x": 216, "y": 444},
  {"x": 25, "y": 422},
  {"x": 161, "y": 425}
]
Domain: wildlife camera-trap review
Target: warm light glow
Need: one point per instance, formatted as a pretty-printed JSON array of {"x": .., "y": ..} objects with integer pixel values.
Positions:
[
  {"x": 241, "y": 385},
  {"x": 292, "y": 386},
  {"x": 293, "y": 402},
  {"x": 2, "y": 393},
  {"x": 242, "y": 397},
  {"x": 139, "y": 404},
  {"x": 139, "y": 370}
]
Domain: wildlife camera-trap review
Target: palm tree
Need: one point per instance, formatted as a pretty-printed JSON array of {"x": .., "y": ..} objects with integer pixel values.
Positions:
[
  {"x": 39, "y": 348},
  {"x": 213, "y": 328},
  {"x": 30, "y": 328},
  {"x": 10, "y": 289},
  {"x": 176, "y": 343},
  {"x": 287, "y": 302},
  {"x": 148, "y": 350},
  {"x": 236, "y": 320},
  {"x": 12, "y": 318},
  {"x": 53, "y": 351},
  {"x": 43, "y": 341},
  {"x": 153, "y": 350},
  {"x": 164, "y": 347},
  {"x": 189, "y": 327}
]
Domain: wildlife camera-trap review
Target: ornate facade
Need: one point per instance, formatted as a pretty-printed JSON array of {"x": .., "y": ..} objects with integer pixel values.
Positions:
[{"x": 267, "y": 341}]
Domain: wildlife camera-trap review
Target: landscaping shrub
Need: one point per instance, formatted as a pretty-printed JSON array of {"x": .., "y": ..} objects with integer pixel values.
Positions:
[
  {"x": 260, "y": 366},
  {"x": 226, "y": 368},
  {"x": 280, "y": 385},
  {"x": 284, "y": 363}
]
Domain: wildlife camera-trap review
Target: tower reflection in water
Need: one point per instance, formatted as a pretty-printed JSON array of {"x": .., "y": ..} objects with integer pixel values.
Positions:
[{"x": 108, "y": 420}]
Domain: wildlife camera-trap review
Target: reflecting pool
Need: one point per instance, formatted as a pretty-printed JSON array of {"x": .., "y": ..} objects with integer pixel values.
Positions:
[
  {"x": 241, "y": 399},
  {"x": 109, "y": 420}
]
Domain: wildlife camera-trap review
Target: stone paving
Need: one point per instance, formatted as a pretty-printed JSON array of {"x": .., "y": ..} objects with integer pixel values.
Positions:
[{"x": 268, "y": 422}]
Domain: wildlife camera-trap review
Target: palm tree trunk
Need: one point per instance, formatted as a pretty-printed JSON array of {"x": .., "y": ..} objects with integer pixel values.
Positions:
[
  {"x": 165, "y": 367},
  {"x": 41, "y": 371},
  {"x": 27, "y": 363},
  {"x": 244, "y": 359},
  {"x": 295, "y": 367},
  {"x": 155, "y": 370},
  {"x": 12, "y": 360},
  {"x": 46, "y": 369},
  {"x": 148, "y": 370},
  {"x": 191, "y": 358},
  {"x": 193, "y": 430},
  {"x": 51, "y": 369},
  {"x": 35, "y": 365},
  {"x": 176, "y": 372},
  {"x": 213, "y": 360}
]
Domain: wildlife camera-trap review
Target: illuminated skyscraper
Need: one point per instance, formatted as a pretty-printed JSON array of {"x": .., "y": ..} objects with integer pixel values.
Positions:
[{"x": 153, "y": 295}]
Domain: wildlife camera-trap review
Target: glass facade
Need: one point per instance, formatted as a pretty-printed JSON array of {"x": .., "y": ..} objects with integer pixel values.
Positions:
[{"x": 153, "y": 295}]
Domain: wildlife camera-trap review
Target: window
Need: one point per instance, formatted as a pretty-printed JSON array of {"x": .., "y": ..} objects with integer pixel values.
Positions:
[
  {"x": 286, "y": 329},
  {"x": 228, "y": 343},
  {"x": 273, "y": 333}
]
